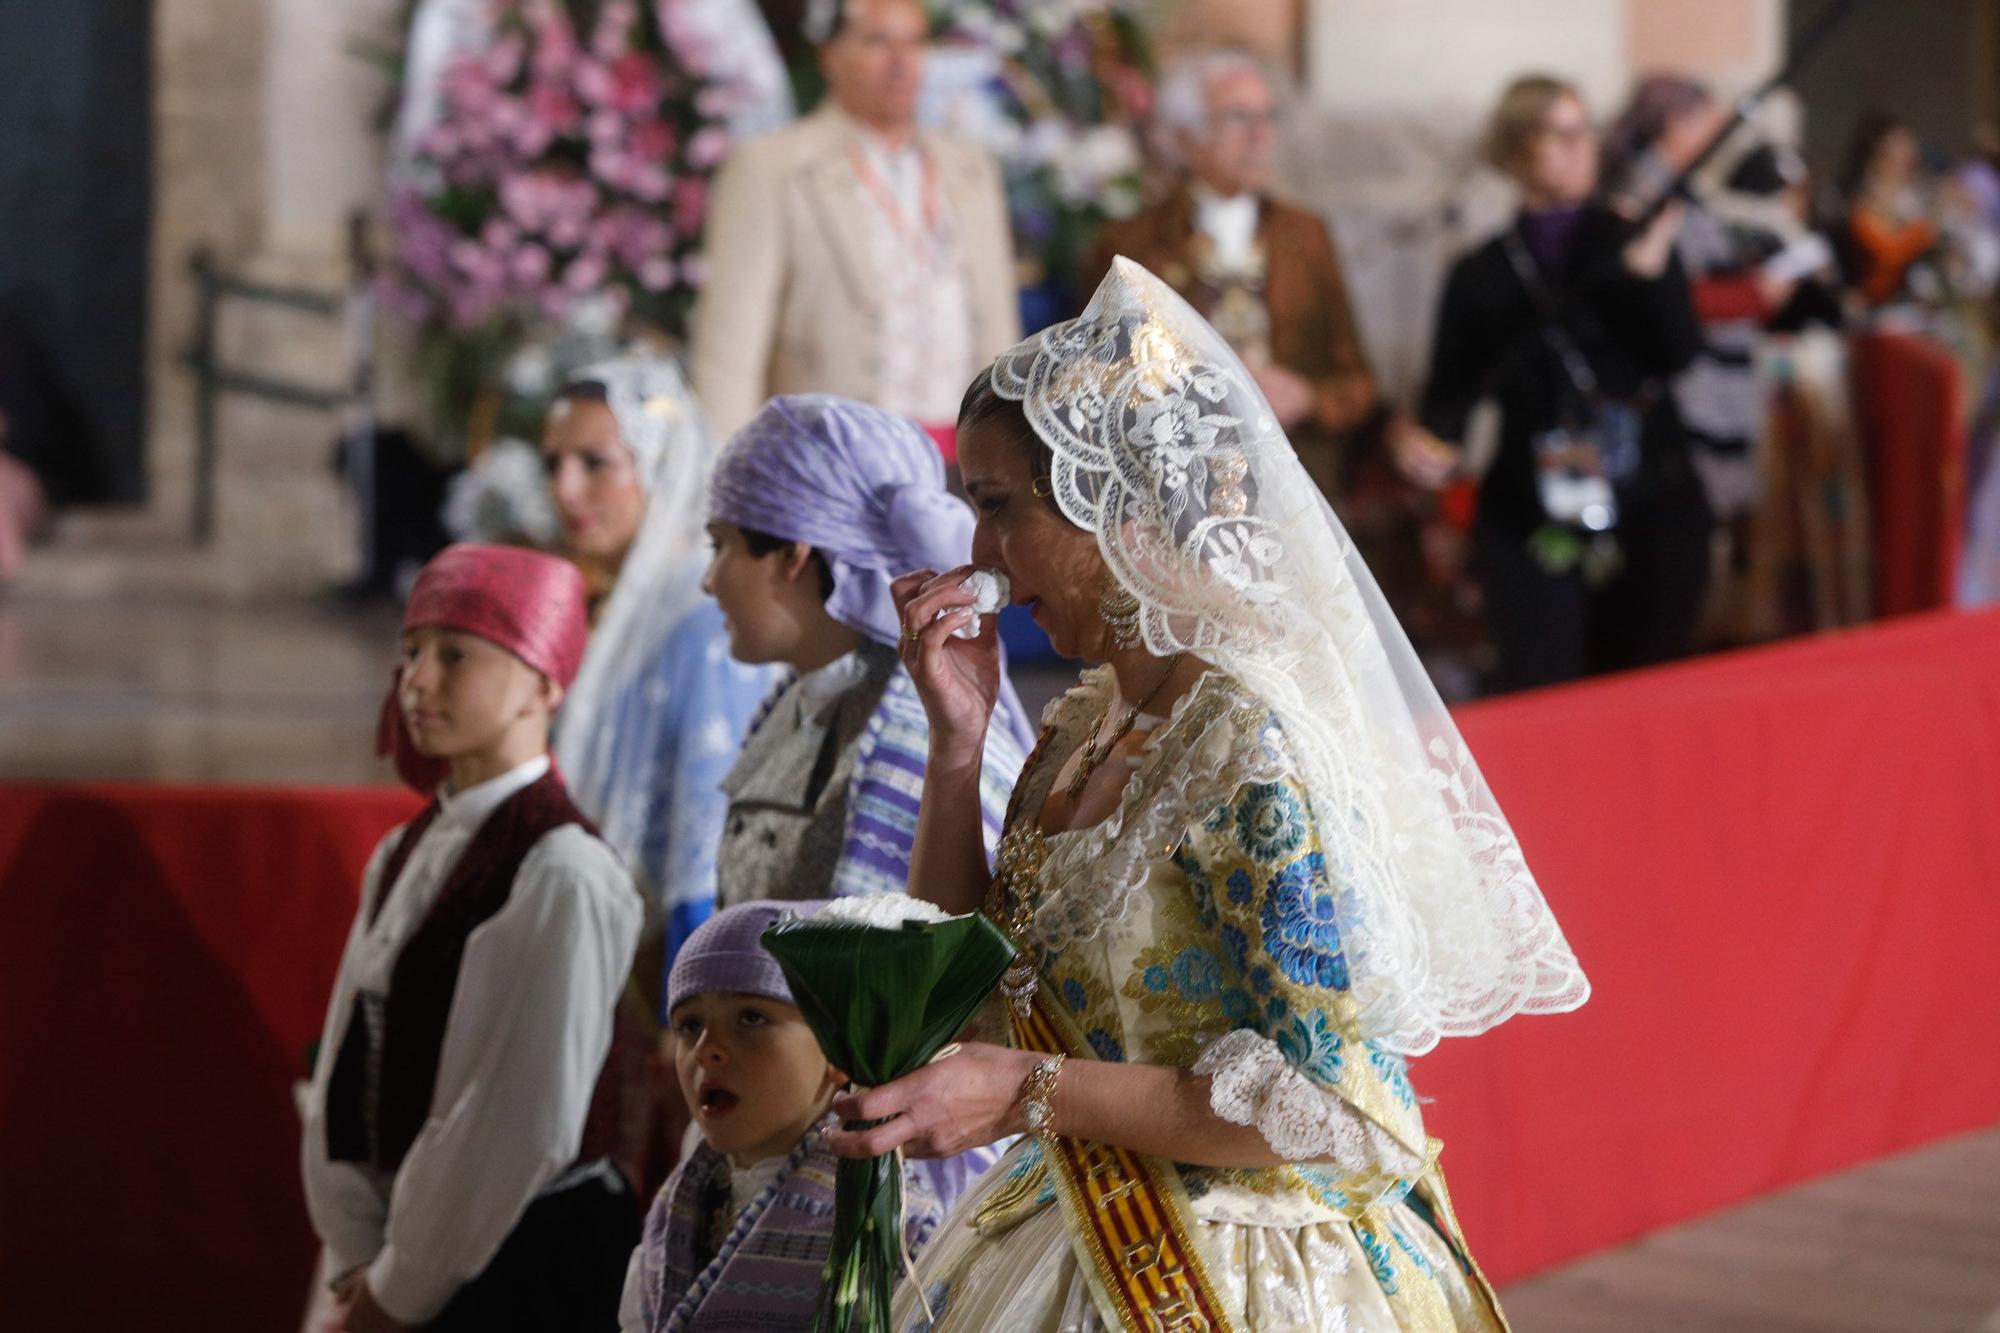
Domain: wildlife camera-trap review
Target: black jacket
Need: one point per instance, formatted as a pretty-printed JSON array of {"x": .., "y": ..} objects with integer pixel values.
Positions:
[{"x": 1634, "y": 332}]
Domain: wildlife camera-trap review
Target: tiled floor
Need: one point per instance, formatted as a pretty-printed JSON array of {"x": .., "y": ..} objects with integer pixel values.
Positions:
[
  {"x": 1909, "y": 1244},
  {"x": 183, "y": 691}
]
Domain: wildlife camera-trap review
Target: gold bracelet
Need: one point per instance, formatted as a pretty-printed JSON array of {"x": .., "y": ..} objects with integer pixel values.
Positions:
[{"x": 1038, "y": 1095}]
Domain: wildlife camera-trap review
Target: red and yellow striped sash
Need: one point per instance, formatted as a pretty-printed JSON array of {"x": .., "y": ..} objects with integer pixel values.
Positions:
[{"x": 1128, "y": 1214}]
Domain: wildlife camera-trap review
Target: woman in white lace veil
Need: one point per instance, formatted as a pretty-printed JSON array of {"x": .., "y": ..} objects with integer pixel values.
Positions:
[
  {"x": 1250, "y": 870},
  {"x": 659, "y": 708}
]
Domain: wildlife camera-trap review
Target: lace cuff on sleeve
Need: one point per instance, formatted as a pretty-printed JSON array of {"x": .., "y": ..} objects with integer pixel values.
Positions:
[{"x": 1253, "y": 1084}]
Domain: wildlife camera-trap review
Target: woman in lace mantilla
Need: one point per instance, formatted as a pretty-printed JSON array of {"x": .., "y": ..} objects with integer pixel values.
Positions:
[{"x": 1250, "y": 868}]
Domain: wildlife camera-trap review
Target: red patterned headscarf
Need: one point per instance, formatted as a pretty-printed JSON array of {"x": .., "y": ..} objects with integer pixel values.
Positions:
[{"x": 531, "y": 604}]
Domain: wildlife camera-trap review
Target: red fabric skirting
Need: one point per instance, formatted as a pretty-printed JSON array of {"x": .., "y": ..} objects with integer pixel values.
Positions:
[
  {"x": 165, "y": 958},
  {"x": 1778, "y": 868}
]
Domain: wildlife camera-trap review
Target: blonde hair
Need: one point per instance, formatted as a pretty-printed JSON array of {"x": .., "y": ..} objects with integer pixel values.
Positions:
[{"x": 1518, "y": 117}]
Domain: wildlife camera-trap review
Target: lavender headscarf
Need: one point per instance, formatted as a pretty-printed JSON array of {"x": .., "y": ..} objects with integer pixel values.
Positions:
[{"x": 863, "y": 487}]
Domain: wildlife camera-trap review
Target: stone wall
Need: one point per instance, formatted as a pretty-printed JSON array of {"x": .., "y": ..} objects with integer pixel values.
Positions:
[{"x": 261, "y": 149}]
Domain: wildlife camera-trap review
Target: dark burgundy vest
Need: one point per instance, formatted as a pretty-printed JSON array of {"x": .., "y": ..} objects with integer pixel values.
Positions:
[{"x": 425, "y": 978}]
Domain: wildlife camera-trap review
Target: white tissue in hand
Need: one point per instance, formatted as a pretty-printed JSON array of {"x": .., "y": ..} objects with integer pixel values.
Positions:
[{"x": 989, "y": 593}]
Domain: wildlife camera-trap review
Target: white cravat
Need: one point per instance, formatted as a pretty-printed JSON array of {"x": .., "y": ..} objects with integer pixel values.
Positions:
[
  {"x": 1230, "y": 225},
  {"x": 527, "y": 1033}
]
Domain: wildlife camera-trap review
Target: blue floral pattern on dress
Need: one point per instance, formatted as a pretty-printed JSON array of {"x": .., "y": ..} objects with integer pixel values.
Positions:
[
  {"x": 1394, "y": 1072},
  {"x": 1241, "y": 887},
  {"x": 1199, "y": 887},
  {"x": 1270, "y": 823},
  {"x": 1312, "y": 1046},
  {"x": 1074, "y": 995},
  {"x": 1417, "y": 1257},
  {"x": 1301, "y": 931},
  {"x": 1378, "y": 1258},
  {"x": 1106, "y": 1045},
  {"x": 1197, "y": 974},
  {"x": 1236, "y": 945}
]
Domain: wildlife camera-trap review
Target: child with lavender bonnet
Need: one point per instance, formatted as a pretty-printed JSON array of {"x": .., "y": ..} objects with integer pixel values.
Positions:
[{"x": 737, "y": 1237}]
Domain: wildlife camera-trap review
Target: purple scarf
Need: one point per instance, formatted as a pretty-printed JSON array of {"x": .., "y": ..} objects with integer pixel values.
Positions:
[
  {"x": 863, "y": 487},
  {"x": 766, "y": 1274}
]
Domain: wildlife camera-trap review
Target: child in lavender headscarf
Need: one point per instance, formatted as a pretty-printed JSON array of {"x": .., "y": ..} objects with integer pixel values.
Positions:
[
  {"x": 815, "y": 506},
  {"x": 738, "y": 1236}
]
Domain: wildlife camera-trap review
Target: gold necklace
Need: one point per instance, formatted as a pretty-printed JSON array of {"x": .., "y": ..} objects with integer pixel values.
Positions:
[{"x": 1097, "y": 749}]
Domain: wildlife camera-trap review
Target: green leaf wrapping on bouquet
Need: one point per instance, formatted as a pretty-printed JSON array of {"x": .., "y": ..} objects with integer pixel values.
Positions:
[{"x": 882, "y": 1002}]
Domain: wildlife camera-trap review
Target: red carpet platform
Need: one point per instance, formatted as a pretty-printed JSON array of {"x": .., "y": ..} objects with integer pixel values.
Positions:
[{"x": 1779, "y": 868}]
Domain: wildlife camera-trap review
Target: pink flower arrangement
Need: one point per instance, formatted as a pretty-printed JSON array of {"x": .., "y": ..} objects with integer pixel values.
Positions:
[{"x": 562, "y": 165}]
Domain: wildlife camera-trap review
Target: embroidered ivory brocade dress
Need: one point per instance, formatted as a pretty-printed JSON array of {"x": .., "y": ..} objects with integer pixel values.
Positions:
[{"x": 1196, "y": 927}]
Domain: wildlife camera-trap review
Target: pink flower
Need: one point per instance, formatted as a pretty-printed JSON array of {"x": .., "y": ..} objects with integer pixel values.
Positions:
[
  {"x": 585, "y": 273},
  {"x": 555, "y": 47},
  {"x": 657, "y": 273},
  {"x": 694, "y": 270},
  {"x": 529, "y": 198},
  {"x": 632, "y": 234},
  {"x": 650, "y": 140},
  {"x": 593, "y": 83},
  {"x": 610, "y": 166},
  {"x": 690, "y": 204},
  {"x": 708, "y": 147},
  {"x": 531, "y": 265},
  {"x": 440, "y": 142},
  {"x": 499, "y": 234},
  {"x": 505, "y": 117},
  {"x": 505, "y": 58},
  {"x": 469, "y": 89},
  {"x": 635, "y": 83},
  {"x": 614, "y": 28},
  {"x": 551, "y": 105},
  {"x": 648, "y": 181}
]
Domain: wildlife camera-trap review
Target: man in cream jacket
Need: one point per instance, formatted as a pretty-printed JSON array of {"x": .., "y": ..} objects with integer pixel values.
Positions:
[{"x": 854, "y": 253}]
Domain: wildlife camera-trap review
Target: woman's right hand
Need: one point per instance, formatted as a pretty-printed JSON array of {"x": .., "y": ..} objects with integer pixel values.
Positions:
[{"x": 958, "y": 679}]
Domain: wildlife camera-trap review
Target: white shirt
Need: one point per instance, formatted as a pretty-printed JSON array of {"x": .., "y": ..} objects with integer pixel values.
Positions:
[
  {"x": 926, "y": 310},
  {"x": 747, "y": 1182},
  {"x": 528, "y": 1030},
  {"x": 1230, "y": 225},
  {"x": 900, "y": 170}
]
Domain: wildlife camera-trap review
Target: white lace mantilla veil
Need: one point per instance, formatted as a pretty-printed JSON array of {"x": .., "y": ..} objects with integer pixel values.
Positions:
[
  {"x": 658, "y": 584},
  {"x": 1166, "y": 449}
]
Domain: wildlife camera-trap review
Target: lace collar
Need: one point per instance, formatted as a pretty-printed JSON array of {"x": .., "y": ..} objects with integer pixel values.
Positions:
[{"x": 1218, "y": 737}]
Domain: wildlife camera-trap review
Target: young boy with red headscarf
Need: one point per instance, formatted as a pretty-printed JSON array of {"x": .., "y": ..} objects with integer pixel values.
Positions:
[{"x": 450, "y": 1166}]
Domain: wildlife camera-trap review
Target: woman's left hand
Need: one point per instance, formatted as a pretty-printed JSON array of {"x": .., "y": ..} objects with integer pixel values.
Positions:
[{"x": 966, "y": 1100}]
